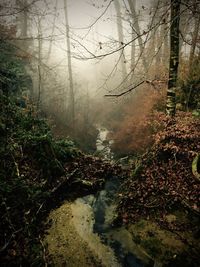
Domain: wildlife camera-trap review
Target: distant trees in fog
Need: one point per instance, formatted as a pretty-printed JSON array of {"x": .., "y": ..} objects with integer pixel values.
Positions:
[{"x": 135, "y": 53}]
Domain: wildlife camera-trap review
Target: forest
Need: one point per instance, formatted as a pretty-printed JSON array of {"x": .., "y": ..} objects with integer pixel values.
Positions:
[{"x": 100, "y": 133}]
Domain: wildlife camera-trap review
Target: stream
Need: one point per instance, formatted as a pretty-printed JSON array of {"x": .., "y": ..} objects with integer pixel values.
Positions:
[
  {"x": 101, "y": 210},
  {"x": 92, "y": 218},
  {"x": 103, "y": 144}
]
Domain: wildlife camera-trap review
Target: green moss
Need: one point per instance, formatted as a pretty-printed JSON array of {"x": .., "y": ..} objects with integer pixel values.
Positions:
[
  {"x": 137, "y": 239},
  {"x": 31, "y": 162},
  {"x": 153, "y": 246},
  {"x": 196, "y": 167},
  {"x": 160, "y": 244}
]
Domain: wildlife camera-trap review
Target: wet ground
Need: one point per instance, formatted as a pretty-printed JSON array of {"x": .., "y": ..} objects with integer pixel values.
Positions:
[
  {"x": 82, "y": 234},
  {"x": 71, "y": 241},
  {"x": 65, "y": 246}
]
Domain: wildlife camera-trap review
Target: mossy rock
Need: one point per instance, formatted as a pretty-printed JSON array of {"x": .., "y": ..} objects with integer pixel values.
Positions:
[
  {"x": 160, "y": 244},
  {"x": 196, "y": 167}
]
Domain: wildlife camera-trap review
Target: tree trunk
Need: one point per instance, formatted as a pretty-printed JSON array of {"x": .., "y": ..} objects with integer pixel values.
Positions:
[
  {"x": 194, "y": 41},
  {"x": 165, "y": 36},
  {"x": 174, "y": 58},
  {"x": 133, "y": 54},
  {"x": 39, "y": 63},
  {"x": 52, "y": 32},
  {"x": 71, "y": 85},
  {"x": 158, "y": 40},
  {"x": 121, "y": 38},
  {"x": 23, "y": 23},
  {"x": 137, "y": 29},
  {"x": 165, "y": 48}
]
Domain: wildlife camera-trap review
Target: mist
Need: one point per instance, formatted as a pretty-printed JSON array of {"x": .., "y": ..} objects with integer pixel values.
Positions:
[
  {"x": 99, "y": 133},
  {"x": 88, "y": 60}
]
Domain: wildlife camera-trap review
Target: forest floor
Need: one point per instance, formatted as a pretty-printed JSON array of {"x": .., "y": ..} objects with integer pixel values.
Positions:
[
  {"x": 71, "y": 241},
  {"x": 157, "y": 203},
  {"x": 38, "y": 173},
  {"x": 162, "y": 195}
]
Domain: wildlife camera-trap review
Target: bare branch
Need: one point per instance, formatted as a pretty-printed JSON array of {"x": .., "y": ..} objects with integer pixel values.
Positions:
[
  {"x": 126, "y": 92},
  {"x": 91, "y": 25},
  {"x": 19, "y": 10}
]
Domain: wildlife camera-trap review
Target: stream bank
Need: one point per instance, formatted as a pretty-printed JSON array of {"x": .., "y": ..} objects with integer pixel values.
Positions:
[
  {"x": 139, "y": 243},
  {"x": 85, "y": 225},
  {"x": 65, "y": 246},
  {"x": 71, "y": 241},
  {"x": 82, "y": 234}
]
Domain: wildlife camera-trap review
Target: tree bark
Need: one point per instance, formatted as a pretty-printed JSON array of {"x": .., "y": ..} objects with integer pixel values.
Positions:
[{"x": 174, "y": 58}]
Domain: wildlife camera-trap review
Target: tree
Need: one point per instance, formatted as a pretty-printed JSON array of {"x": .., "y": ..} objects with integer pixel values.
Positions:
[
  {"x": 23, "y": 19},
  {"x": 39, "y": 62},
  {"x": 136, "y": 29},
  {"x": 121, "y": 38},
  {"x": 71, "y": 85},
  {"x": 195, "y": 35},
  {"x": 132, "y": 7},
  {"x": 174, "y": 58},
  {"x": 52, "y": 32}
]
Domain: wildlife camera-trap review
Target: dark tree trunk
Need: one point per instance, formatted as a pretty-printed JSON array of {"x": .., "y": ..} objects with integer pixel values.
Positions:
[{"x": 174, "y": 57}]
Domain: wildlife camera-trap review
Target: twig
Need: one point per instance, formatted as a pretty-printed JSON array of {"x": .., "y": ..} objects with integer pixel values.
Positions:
[
  {"x": 8, "y": 242},
  {"x": 187, "y": 205},
  {"x": 128, "y": 91},
  {"x": 44, "y": 252},
  {"x": 60, "y": 184},
  {"x": 153, "y": 83},
  {"x": 40, "y": 208},
  {"x": 151, "y": 205}
]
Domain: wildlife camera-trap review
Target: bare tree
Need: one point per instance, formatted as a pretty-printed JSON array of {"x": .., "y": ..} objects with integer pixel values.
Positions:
[
  {"x": 195, "y": 35},
  {"x": 52, "y": 32},
  {"x": 71, "y": 85},
  {"x": 174, "y": 58},
  {"x": 137, "y": 31},
  {"x": 39, "y": 62},
  {"x": 132, "y": 4},
  {"x": 120, "y": 37},
  {"x": 23, "y": 22}
]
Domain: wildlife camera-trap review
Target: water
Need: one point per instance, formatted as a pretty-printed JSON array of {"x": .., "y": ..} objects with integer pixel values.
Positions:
[
  {"x": 97, "y": 229},
  {"x": 102, "y": 209},
  {"x": 103, "y": 144},
  {"x": 90, "y": 220}
]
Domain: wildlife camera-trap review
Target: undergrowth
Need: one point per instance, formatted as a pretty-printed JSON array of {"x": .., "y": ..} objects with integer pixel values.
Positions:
[{"x": 31, "y": 164}]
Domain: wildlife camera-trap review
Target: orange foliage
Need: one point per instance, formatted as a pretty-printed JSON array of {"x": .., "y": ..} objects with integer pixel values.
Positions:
[
  {"x": 134, "y": 133},
  {"x": 8, "y": 32}
]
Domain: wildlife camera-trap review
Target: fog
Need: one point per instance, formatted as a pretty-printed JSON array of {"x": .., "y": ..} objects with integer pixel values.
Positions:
[
  {"x": 77, "y": 52},
  {"x": 93, "y": 32}
]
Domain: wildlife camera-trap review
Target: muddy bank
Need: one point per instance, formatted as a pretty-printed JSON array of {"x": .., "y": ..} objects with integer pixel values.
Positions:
[
  {"x": 65, "y": 246},
  {"x": 71, "y": 241}
]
